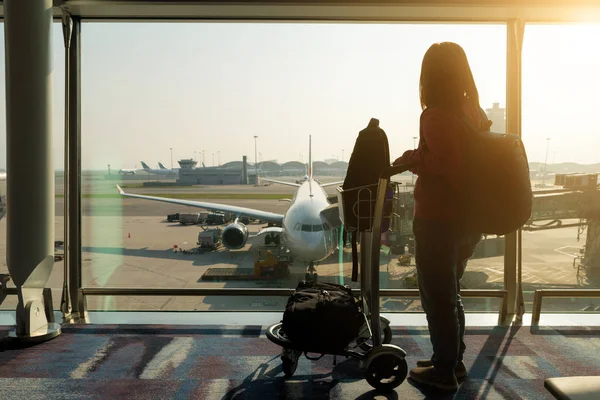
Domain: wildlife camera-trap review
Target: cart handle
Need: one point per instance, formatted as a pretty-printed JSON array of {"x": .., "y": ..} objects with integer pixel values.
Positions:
[{"x": 394, "y": 170}]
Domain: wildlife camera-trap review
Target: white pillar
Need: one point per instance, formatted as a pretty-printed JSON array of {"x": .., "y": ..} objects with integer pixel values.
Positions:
[{"x": 30, "y": 184}]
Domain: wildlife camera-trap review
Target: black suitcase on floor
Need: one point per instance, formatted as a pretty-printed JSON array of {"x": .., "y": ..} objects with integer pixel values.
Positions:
[{"x": 322, "y": 317}]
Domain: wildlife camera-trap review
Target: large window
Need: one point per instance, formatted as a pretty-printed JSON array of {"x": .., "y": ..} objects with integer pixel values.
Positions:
[
  {"x": 56, "y": 278},
  {"x": 560, "y": 98},
  {"x": 211, "y": 94}
]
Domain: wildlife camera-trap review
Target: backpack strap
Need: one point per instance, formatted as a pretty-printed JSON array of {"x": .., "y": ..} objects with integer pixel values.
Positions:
[
  {"x": 467, "y": 121},
  {"x": 354, "y": 257}
]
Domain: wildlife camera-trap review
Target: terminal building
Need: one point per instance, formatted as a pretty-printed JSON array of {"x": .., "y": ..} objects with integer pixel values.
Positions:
[
  {"x": 242, "y": 173},
  {"x": 497, "y": 115},
  {"x": 190, "y": 175}
]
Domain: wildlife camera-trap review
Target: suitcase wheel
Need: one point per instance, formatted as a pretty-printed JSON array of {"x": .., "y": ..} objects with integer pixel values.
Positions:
[{"x": 386, "y": 368}]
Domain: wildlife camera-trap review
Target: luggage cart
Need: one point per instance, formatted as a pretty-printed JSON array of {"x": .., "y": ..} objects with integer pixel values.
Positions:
[{"x": 384, "y": 363}]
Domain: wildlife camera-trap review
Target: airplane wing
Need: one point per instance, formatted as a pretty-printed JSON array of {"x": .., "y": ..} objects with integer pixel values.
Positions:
[
  {"x": 272, "y": 229},
  {"x": 281, "y": 182},
  {"x": 239, "y": 211},
  {"x": 331, "y": 184}
]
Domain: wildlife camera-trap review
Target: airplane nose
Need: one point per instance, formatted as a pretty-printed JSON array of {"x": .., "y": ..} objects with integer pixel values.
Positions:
[{"x": 315, "y": 246}]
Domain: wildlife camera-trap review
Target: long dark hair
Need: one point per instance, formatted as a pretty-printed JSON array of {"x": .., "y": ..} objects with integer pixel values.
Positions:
[{"x": 446, "y": 79}]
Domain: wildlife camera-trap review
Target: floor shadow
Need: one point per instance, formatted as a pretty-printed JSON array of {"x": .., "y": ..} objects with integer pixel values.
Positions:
[
  {"x": 265, "y": 384},
  {"x": 268, "y": 382},
  {"x": 430, "y": 393},
  {"x": 566, "y": 331},
  {"x": 374, "y": 394},
  {"x": 489, "y": 361},
  {"x": 485, "y": 369}
]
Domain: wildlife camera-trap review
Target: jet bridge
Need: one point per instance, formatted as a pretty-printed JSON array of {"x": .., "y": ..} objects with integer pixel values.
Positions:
[
  {"x": 577, "y": 205},
  {"x": 564, "y": 208}
]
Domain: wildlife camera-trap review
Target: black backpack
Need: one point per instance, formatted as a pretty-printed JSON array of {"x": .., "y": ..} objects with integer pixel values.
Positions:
[
  {"x": 496, "y": 196},
  {"x": 369, "y": 158},
  {"x": 322, "y": 317}
]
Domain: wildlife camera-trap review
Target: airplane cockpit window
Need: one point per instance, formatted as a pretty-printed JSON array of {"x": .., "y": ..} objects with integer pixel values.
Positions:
[
  {"x": 312, "y": 228},
  {"x": 298, "y": 226}
]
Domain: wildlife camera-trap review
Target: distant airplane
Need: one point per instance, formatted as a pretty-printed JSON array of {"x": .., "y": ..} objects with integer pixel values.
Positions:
[
  {"x": 160, "y": 171},
  {"x": 303, "y": 228},
  {"x": 126, "y": 171},
  {"x": 161, "y": 166}
]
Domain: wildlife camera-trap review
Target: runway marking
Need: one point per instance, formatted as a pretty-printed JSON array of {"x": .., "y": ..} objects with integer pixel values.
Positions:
[
  {"x": 535, "y": 277},
  {"x": 571, "y": 255}
]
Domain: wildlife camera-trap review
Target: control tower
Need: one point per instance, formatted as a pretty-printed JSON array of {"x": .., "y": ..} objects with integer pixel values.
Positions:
[
  {"x": 498, "y": 117},
  {"x": 187, "y": 163}
]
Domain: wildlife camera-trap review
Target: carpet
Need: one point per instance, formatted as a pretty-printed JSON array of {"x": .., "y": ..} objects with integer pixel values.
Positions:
[{"x": 226, "y": 363}]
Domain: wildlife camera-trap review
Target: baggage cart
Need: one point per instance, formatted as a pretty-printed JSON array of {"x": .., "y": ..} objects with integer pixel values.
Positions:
[{"x": 365, "y": 209}]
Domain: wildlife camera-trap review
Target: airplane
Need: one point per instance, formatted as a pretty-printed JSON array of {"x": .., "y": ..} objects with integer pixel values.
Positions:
[
  {"x": 159, "y": 171},
  {"x": 305, "y": 231},
  {"x": 127, "y": 171},
  {"x": 161, "y": 166}
]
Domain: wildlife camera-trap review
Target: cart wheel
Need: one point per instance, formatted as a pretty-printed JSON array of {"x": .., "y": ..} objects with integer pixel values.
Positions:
[
  {"x": 289, "y": 361},
  {"x": 386, "y": 339},
  {"x": 386, "y": 368}
]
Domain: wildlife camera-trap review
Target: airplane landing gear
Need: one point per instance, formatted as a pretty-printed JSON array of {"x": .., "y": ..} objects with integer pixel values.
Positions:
[{"x": 311, "y": 273}]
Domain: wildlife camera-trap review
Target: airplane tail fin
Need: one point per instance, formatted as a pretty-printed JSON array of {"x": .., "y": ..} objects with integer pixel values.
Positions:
[
  {"x": 310, "y": 166},
  {"x": 161, "y": 166},
  {"x": 145, "y": 166}
]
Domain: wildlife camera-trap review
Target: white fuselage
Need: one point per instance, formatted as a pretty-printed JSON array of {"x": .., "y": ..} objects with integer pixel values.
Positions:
[
  {"x": 159, "y": 171},
  {"x": 306, "y": 234}
]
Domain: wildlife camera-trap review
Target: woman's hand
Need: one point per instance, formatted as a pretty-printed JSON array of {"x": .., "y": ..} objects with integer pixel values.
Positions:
[{"x": 404, "y": 159}]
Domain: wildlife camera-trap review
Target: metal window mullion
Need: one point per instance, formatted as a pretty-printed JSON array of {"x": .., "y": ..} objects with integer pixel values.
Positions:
[
  {"x": 72, "y": 168},
  {"x": 513, "y": 246},
  {"x": 66, "y": 303},
  {"x": 74, "y": 177}
]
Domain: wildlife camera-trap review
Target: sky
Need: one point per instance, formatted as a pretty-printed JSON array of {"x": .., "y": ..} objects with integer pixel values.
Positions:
[{"x": 193, "y": 87}]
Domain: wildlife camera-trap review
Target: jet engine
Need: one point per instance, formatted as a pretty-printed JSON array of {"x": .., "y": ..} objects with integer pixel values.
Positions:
[{"x": 235, "y": 235}]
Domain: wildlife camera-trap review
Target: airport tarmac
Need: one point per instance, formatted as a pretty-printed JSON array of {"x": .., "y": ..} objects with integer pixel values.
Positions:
[
  {"x": 94, "y": 184},
  {"x": 128, "y": 243},
  {"x": 128, "y": 207}
]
